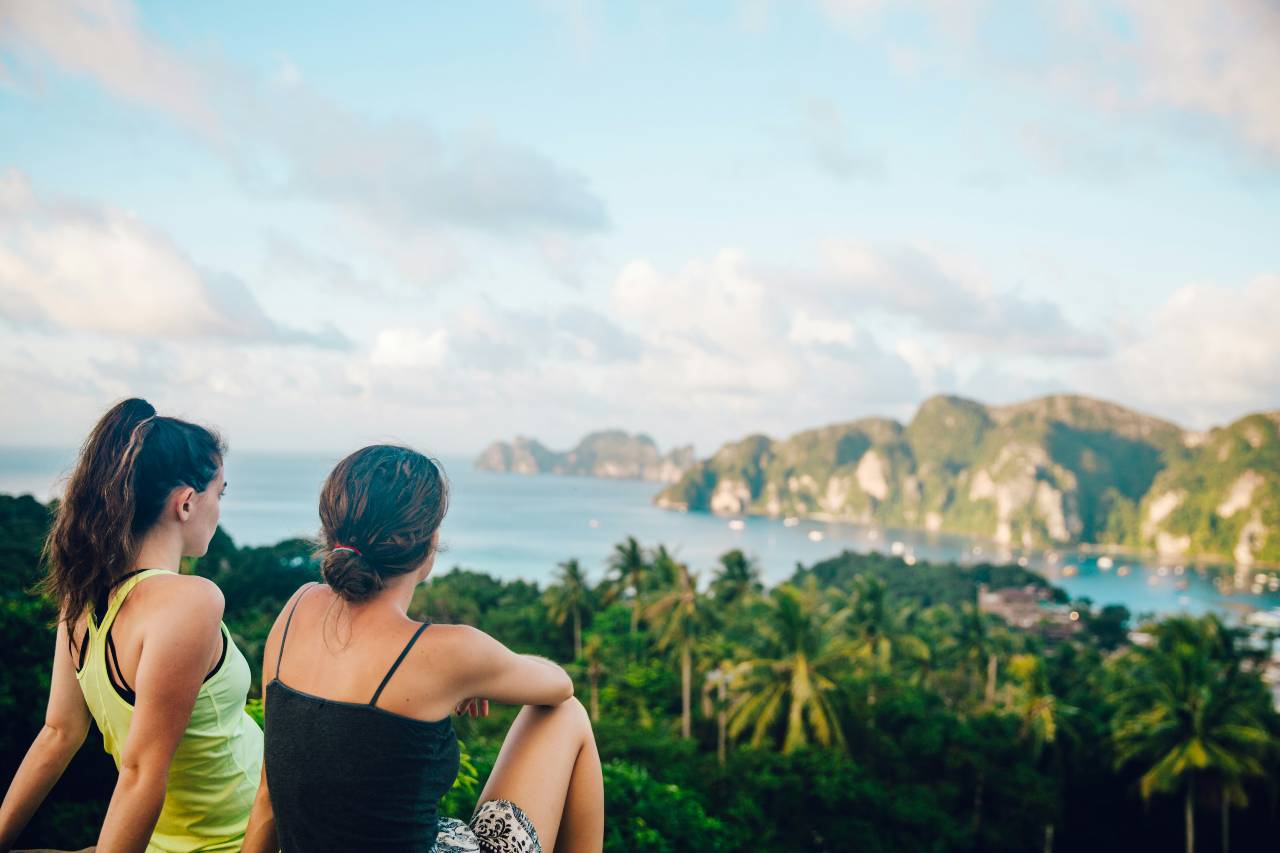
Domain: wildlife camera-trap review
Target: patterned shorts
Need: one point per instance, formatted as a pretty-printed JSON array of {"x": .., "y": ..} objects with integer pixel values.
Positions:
[{"x": 498, "y": 826}]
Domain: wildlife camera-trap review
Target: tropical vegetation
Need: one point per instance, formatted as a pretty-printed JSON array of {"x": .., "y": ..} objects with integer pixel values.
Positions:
[{"x": 861, "y": 704}]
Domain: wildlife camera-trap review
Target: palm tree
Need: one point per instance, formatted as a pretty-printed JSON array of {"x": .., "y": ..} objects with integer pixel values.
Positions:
[
  {"x": 677, "y": 609},
  {"x": 879, "y": 630},
  {"x": 803, "y": 650},
  {"x": 628, "y": 568},
  {"x": 978, "y": 646},
  {"x": 737, "y": 579},
  {"x": 568, "y": 598},
  {"x": 1186, "y": 710},
  {"x": 717, "y": 691},
  {"x": 1040, "y": 713},
  {"x": 593, "y": 657}
]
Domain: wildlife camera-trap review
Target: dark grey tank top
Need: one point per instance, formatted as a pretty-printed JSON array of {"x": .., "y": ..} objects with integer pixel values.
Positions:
[{"x": 347, "y": 776}]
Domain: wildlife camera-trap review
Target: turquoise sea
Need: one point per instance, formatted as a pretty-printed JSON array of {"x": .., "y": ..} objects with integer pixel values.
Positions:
[{"x": 514, "y": 526}]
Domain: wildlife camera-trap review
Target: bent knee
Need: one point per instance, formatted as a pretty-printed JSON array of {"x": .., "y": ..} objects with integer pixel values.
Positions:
[
  {"x": 570, "y": 712},
  {"x": 573, "y": 707}
]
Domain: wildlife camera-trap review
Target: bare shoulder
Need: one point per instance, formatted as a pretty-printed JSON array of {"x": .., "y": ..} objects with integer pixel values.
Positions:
[
  {"x": 289, "y": 607},
  {"x": 459, "y": 639},
  {"x": 175, "y": 605},
  {"x": 464, "y": 646},
  {"x": 186, "y": 596},
  {"x": 271, "y": 647}
]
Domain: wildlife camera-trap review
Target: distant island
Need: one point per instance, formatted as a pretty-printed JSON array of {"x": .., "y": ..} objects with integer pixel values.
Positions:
[
  {"x": 608, "y": 453},
  {"x": 1062, "y": 469}
]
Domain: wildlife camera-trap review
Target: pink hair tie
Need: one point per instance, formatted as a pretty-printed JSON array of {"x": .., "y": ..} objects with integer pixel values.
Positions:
[{"x": 355, "y": 551}]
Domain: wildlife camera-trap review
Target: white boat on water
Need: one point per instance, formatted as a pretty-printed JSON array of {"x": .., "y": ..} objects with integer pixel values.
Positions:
[
  {"x": 1122, "y": 571},
  {"x": 790, "y": 521},
  {"x": 1105, "y": 563},
  {"x": 898, "y": 549},
  {"x": 1264, "y": 618},
  {"x": 816, "y": 536},
  {"x": 737, "y": 524}
]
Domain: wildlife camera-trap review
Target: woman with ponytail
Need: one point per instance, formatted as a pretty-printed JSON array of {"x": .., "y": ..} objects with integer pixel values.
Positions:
[
  {"x": 141, "y": 649},
  {"x": 358, "y": 695}
]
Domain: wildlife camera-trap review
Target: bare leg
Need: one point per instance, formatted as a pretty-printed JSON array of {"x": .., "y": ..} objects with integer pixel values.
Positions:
[{"x": 549, "y": 767}]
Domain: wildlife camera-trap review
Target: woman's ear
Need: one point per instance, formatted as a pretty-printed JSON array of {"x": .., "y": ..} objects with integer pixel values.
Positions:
[
  {"x": 183, "y": 502},
  {"x": 430, "y": 562}
]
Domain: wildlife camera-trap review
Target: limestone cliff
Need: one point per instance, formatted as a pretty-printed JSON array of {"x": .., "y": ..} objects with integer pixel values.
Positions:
[
  {"x": 610, "y": 453},
  {"x": 1057, "y": 469}
]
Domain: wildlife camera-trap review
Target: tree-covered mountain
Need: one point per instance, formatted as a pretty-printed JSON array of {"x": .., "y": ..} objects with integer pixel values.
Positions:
[
  {"x": 1057, "y": 469},
  {"x": 609, "y": 453}
]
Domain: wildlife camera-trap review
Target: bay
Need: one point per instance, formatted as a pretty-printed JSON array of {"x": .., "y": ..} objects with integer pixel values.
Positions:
[{"x": 522, "y": 527}]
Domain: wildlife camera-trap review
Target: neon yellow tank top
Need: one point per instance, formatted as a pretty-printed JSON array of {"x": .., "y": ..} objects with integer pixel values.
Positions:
[{"x": 215, "y": 770}]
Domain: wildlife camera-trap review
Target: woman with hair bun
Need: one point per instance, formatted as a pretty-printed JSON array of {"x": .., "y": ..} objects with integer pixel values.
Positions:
[
  {"x": 142, "y": 649},
  {"x": 358, "y": 696}
]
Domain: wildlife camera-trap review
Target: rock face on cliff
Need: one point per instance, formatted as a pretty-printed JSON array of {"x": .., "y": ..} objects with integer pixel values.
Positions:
[
  {"x": 1058, "y": 469},
  {"x": 1222, "y": 496},
  {"x": 611, "y": 453}
]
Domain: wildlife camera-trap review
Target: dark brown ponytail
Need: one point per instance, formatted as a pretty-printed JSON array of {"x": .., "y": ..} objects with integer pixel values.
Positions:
[
  {"x": 379, "y": 509},
  {"x": 127, "y": 468}
]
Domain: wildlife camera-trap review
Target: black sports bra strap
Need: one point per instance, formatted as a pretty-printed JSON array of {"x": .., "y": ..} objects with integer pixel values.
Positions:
[
  {"x": 103, "y": 601},
  {"x": 289, "y": 621},
  {"x": 403, "y": 654}
]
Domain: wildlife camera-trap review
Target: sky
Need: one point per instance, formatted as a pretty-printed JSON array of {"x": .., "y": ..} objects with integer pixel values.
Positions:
[{"x": 315, "y": 225}]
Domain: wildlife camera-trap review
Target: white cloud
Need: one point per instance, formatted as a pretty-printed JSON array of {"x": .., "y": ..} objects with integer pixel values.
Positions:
[
  {"x": 81, "y": 269},
  {"x": 948, "y": 296},
  {"x": 1216, "y": 58},
  {"x": 105, "y": 40},
  {"x": 720, "y": 339},
  {"x": 808, "y": 329},
  {"x": 409, "y": 348},
  {"x": 1200, "y": 57},
  {"x": 1209, "y": 355},
  {"x": 716, "y": 303},
  {"x": 404, "y": 182}
]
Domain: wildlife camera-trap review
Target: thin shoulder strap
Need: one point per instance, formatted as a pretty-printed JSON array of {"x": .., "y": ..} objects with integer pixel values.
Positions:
[
  {"x": 404, "y": 653},
  {"x": 287, "y": 622}
]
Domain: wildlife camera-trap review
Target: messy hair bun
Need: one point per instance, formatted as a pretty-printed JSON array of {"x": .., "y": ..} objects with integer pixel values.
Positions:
[
  {"x": 379, "y": 511},
  {"x": 349, "y": 575}
]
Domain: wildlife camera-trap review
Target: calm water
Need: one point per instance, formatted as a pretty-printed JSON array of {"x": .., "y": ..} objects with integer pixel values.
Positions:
[{"x": 513, "y": 526}]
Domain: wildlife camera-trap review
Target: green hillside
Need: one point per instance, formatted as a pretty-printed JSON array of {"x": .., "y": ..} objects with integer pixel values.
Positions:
[
  {"x": 1223, "y": 496},
  {"x": 1062, "y": 469}
]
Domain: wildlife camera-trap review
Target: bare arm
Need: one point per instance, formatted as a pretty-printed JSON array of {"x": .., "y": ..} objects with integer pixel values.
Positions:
[
  {"x": 66, "y": 722},
  {"x": 488, "y": 668},
  {"x": 260, "y": 836},
  {"x": 179, "y": 639}
]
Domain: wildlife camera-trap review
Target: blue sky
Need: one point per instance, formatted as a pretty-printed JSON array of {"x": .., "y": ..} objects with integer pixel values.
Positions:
[{"x": 317, "y": 224}]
